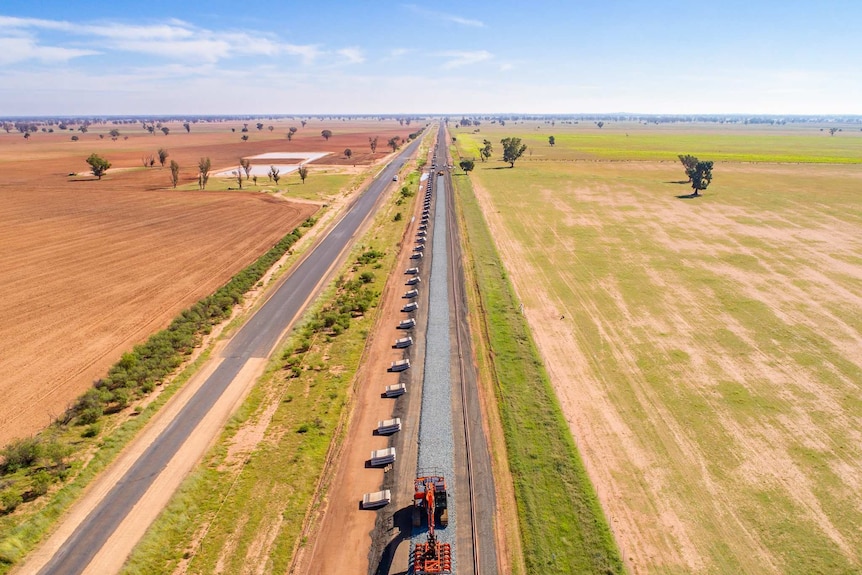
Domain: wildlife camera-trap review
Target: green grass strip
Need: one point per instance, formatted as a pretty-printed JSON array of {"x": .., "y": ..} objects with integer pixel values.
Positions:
[{"x": 562, "y": 524}]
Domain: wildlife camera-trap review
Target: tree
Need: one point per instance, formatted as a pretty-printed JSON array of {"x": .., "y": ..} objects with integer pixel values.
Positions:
[
  {"x": 303, "y": 172},
  {"x": 552, "y": 140},
  {"x": 303, "y": 122},
  {"x": 347, "y": 153},
  {"x": 688, "y": 162},
  {"x": 82, "y": 129},
  {"x": 373, "y": 143},
  {"x": 326, "y": 134},
  {"x": 467, "y": 165},
  {"x": 75, "y": 138},
  {"x": 115, "y": 133},
  {"x": 245, "y": 164},
  {"x": 148, "y": 161},
  {"x": 163, "y": 155},
  {"x": 244, "y": 138},
  {"x": 175, "y": 173},
  {"x": 187, "y": 126},
  {"x": 165, "y": 130},
  {"x": 701, "y": 177},
  {"x": 292, "y": 130},
  {"x": 393, "y": 142},
  {"x": 274, "y": 174},
  {"x": 271, "y": 128},
  {"x": 832, "y": 131},
  {"x": 26, "y": 135},
  {"x": 204, "y": 166},
  {"x": 98, "y": 165},
  {"x": 600, "y": 124},
  {"x": 260, "y": 125},
  {"x": 238, "y": 174},
  {"x": 512, "y": 150},
  {"x": 485, "y": 152}
]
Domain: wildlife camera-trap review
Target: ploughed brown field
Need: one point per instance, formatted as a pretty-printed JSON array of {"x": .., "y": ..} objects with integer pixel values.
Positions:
[{"x": 90, "y": 268}]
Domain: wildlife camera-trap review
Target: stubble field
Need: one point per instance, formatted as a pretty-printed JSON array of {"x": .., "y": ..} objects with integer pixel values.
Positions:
[
  {"x": 707, "y": 352},
  {"x": 89, "y": 268}
]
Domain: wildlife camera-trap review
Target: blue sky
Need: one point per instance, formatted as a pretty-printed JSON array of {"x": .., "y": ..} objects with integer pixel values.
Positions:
[{"x": 577, "y": 56}]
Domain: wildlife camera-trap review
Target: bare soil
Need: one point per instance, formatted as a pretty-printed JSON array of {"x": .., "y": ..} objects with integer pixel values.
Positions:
[{"x": 89, "y": 268}]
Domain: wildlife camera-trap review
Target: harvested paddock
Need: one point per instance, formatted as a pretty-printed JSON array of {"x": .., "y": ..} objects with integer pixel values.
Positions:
[
  {"x": 706, "y": 352},
  {"x": 88, "y": 270}
]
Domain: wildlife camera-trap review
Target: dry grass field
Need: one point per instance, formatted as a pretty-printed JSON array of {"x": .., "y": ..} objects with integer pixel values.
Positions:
[
  {"x": 707, "y": 352},
  {"x": 89, "y": 268}
]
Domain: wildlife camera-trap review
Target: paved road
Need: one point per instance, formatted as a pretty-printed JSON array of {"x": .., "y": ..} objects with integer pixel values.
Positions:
[{"x": 256, "y": 339}]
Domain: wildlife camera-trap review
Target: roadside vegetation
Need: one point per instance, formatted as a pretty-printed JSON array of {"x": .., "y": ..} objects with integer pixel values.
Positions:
[
  {"x": 249, "y": 502},
  {"x": 562, "y": 527},
  {"x": 37, "y": 466}
]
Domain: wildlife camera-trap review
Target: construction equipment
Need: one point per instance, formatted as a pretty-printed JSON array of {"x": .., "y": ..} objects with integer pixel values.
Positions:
[{"x": 431, "y": 557}]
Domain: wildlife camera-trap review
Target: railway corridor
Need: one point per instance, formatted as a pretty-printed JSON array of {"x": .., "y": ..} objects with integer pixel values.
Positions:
[{"x": 436, "y": 439}]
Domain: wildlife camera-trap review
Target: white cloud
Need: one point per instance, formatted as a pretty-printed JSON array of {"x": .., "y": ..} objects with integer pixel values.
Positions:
[
  {"x": 354, "y": 55},
  {"x": 457, "y": 59},
  {"x": 505, "y": 67},
  {"x": 444, "y": 16},
  {"x": 172, "y": 40},
  {"x": 19, "y": 49}
]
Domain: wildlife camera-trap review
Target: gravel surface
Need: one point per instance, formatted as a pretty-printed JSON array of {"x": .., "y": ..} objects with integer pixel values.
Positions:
[{"x": 436, "y": 443}]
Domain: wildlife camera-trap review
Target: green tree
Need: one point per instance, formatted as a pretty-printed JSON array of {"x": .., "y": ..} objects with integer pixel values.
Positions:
[
  {"x": 244, "y": 138},
  {"x": 512, "y": 150},
  {"x": 204, "y": 166},
  {"x": 347, "y": 153},
  {"x": 303, "y": 172},
  {"x": 486, "y": 151},
  {"x": 701, "y": 177},
  {"x": 259, "y": 125},
  {"x": 688, "y": 162},
  {"x": 166, "y": 130},
  {"x": 175, "y": 173},
  {"x": 98, "y": 165},
  {"x": 163, "y": 155},
  {"x": 393, "y": 142},
  {"x": 600, "y": 124},
  {"x": 552, "y": 140},
  {"x": 274, "y": 174},
  {"x": 187, "y": 126},
  {"x": 326, "y": 134},
  {"x": 467, "y": 165},
  {"x": 115, "y": 133}
]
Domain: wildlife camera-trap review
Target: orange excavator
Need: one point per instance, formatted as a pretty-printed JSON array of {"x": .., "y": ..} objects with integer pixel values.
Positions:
[{"x": 431, "y": 557}]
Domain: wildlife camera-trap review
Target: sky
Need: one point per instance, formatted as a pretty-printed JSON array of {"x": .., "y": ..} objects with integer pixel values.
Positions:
[{"x": 176, "y": 57}]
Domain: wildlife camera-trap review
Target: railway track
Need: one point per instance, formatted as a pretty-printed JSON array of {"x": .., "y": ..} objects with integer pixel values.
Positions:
[{"x": 463, "y": 352}]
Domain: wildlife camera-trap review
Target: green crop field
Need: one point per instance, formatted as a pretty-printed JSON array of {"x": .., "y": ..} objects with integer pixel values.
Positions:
[{"x": 707, "y": 352}]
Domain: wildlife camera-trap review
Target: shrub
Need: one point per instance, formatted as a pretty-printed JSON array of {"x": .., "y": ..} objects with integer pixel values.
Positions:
[
  {"x": 21, "y": 453},
  {"x": 42, "y": 481},
  {"x": 10, "y": 499},
  {"x": 366, "y": 277},
  {"x": 92, "y": 430},
  {"x": 397, "y": 217}
]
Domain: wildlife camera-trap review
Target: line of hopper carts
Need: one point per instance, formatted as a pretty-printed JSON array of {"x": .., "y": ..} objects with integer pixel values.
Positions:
[{"x": 430, "y": 498}]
